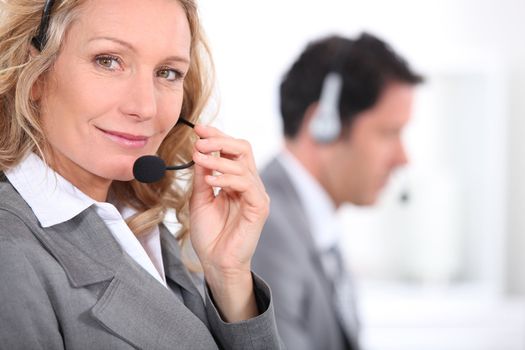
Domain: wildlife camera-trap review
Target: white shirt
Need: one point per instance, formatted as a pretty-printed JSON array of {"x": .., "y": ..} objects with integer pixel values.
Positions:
[{"x": 55, "y": 200}]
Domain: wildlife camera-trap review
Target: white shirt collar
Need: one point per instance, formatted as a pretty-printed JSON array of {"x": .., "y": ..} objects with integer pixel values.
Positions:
[
  {"x": 52, "y": 198},
  {"x": 55, "y": 200},
  {"x": 320, "y": 209}
]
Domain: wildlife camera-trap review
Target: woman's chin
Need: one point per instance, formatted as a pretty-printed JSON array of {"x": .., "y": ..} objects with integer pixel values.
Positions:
[
  {"x": 120, "y": 172},
  {"x": 124, "y": 175}
]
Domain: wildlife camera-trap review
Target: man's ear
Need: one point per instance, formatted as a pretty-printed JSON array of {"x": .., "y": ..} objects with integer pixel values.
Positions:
[{"x": 309, "y": 114}]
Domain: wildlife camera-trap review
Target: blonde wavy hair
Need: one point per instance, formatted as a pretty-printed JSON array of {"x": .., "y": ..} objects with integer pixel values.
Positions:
[{"x": 21, "y": 132}]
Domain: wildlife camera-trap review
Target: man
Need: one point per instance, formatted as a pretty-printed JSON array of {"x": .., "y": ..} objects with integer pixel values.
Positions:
[{"x": 344, "y": 104}]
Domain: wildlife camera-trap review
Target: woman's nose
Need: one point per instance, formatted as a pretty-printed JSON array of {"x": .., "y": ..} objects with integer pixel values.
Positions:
[{"x": 141, "y": 99}]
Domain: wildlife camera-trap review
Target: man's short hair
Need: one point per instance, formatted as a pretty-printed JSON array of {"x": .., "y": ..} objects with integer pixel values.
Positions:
[{"x": 366, "y": 65}]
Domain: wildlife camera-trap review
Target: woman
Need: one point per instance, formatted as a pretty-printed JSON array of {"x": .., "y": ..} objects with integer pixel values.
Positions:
[{"x": 86, "y": 89}]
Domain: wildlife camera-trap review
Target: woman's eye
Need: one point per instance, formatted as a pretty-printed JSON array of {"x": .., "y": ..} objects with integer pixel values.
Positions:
[
  {"x": 108, "y": 62},
  {"x": 169, "y": 74}
]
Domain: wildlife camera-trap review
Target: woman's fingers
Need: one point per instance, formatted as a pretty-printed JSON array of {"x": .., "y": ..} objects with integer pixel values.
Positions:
[
  {"x": 205, "y": 131},
  {"x": 202, "y": 192},
  {"x": 225, "y": 145},
  {"x": 222, "y": 165},
  {"x": 213, "y": 140},
  {"x": 252, "y": 192},
  {"x": 226, "y": 166},
  {"x": 235, "y": 163}
]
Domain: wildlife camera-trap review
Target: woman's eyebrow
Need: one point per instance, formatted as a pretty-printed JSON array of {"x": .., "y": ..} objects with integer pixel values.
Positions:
[
  {"x": 132, "y": 48},
  {"x": 115, "y": 40}
]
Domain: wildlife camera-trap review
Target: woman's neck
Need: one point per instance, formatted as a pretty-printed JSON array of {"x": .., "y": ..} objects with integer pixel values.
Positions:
[{"x": 90, "y": 184}]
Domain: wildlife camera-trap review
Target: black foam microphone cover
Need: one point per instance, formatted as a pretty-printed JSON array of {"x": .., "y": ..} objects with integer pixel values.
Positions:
[
  {"x": 148, "y": 169},
  {"x": 404, "y": 197}
]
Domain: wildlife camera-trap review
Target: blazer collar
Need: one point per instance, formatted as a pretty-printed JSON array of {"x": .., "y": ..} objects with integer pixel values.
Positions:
[
  {"x": 52, "y": 198},
  {"x": 173, "y": 265},
  {"x": 82, "y": 245},
  {"x": 85, "y": 248},
  {"x": 279, "y": 182},
  {"x": 89, "y": 254}
]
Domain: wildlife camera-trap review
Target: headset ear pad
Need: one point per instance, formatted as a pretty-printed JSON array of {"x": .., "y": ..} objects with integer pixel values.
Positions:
[{"x": 325, "y": 126}]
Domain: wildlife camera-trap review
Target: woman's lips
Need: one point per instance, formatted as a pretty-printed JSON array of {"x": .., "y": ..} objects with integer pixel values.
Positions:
[{"x": 124, "y": 139}]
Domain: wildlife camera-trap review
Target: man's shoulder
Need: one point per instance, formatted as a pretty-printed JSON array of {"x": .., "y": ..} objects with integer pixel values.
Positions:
[
  {"x": 273, "y": 171},
  {"x": 278, "y": 183},
  {"x": 284, "y": 227}
]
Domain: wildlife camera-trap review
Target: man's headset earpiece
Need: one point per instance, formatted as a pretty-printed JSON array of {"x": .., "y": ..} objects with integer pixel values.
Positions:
[{"x": 325, "y": 126}]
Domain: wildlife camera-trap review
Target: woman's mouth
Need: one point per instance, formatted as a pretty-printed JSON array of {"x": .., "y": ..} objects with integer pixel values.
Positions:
[{"x": 125, "y": 139}]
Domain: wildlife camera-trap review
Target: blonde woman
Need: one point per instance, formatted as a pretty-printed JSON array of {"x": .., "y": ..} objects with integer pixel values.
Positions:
[{"x": 86, "y": 88}]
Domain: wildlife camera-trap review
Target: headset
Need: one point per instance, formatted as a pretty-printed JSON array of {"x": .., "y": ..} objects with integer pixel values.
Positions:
[
  {"x": 40, "y": 39},
  {"x": 325, "y": 126}
]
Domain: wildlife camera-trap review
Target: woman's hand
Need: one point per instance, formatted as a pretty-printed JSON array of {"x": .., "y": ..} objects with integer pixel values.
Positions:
[{"x": 225, "y": 228}]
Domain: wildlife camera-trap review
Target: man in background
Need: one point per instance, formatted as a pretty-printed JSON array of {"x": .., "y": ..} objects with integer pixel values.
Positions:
[{"x": 344, "y": 104}]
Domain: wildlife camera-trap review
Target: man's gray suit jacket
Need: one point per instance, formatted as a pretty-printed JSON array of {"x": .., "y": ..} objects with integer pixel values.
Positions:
[
  {"x": 287, "y": 259},
  {"x": 70, "y": 286}
]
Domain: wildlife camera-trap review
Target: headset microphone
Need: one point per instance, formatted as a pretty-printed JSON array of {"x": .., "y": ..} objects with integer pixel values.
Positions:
[
  {"x": 404, "y": 196},
  {"x": 149, "y": 169},
  {"x": 325, "y": 126},
  {"x": 405, "y": 193}
]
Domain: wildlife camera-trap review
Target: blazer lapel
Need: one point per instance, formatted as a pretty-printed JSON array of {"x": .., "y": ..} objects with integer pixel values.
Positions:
[
  {"x": 285, "y": 187},
  {"x": 298, "y": 215},
  {"x": 81, "y": 245},
  {"x": 146, "y": 314},
  {"x": 177, "y": 272}
]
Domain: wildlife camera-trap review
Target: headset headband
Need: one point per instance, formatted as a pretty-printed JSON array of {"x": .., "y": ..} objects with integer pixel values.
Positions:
[{"x": 40, "y": 39}]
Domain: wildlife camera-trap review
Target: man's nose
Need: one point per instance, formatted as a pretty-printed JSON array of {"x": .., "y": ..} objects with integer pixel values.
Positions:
[{"x": 401, "y": 155}]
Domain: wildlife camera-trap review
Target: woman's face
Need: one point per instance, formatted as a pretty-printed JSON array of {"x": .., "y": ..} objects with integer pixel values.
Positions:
[{"x": 116, "y": 88}]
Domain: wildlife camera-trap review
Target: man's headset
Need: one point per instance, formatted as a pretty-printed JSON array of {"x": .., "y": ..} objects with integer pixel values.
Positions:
[{"x": 325, "y": 126}]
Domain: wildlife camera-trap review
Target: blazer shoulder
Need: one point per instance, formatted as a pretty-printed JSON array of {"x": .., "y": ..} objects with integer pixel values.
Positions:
[
  {"x": 15, "y": 214},
  {"x": 272, "y": 173},
  {"x": 10, "y": 199}
]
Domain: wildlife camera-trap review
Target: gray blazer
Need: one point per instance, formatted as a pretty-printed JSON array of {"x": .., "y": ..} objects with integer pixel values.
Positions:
[
  {"x": 287, "y": 259},
  {"x": 71, "y": 286}
]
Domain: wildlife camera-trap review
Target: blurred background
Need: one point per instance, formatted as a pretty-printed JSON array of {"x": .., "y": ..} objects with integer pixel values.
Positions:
[{"x": 442, "y": 269}]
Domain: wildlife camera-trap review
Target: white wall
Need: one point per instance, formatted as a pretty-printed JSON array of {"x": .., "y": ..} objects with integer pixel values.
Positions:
[
  {"x": 465, "y": 141},
  {"x": 254, "y": 42}
]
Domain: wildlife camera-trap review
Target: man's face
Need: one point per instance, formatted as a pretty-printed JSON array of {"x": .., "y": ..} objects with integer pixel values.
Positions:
[{"x": 365, "y": 156}]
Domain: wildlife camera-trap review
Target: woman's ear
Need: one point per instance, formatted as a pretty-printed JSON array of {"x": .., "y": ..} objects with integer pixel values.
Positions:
[
  {"x": 36, "y": 89},
  {"x": 33, "y": 51}
]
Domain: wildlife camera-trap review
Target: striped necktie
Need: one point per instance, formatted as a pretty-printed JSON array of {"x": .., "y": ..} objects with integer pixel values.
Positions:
[{"x": 343, "y": 292}]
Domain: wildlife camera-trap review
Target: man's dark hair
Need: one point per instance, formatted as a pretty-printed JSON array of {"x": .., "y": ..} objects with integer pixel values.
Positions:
[{"x": 366, "y": 65}]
